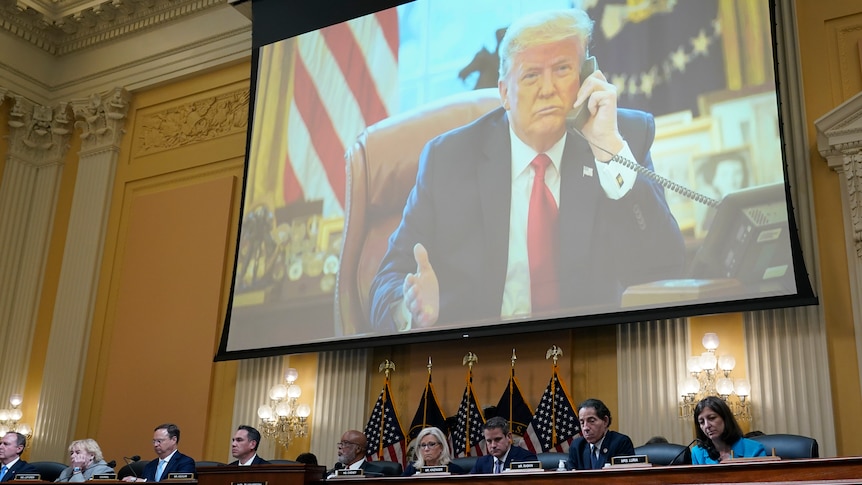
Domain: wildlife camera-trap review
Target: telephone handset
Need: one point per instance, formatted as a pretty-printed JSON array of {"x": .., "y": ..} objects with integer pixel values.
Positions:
[{"x": 577, "y": 118}]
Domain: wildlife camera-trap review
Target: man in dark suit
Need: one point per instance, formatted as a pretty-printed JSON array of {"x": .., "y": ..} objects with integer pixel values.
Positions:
[
  {"x": 516, "y": 215},
  {"x": 501, "y": 453},
  {"x": 11, "y": 447},
  {"x": 243, "y": 447},
  {"x": 597, "y": 445},
  {"x": 165, "y": 439}
]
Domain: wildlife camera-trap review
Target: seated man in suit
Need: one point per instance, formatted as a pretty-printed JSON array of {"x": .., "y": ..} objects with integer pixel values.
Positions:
[
  {"x": 11, "y": 447},
  {"x": 351, "y": 452},
  {"x": 501, "y": 453},
  {"x": 243, "y": 447},
  {"x": 165, "y": 439},
  {"x": 597, "y": 445}
]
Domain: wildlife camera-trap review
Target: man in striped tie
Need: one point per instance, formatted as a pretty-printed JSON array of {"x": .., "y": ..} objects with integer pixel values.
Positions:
[
  {"x": 169, "y": 459},
  {"x": 519, "y": 215}
]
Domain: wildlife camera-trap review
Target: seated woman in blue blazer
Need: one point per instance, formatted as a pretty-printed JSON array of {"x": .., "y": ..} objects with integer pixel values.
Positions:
[{"x": 719, "y": 435}]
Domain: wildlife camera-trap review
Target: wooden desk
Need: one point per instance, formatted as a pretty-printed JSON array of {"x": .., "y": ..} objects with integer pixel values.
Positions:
[
  {"x": 298, "y": 474},
  {"x": 833, "y": 471}
]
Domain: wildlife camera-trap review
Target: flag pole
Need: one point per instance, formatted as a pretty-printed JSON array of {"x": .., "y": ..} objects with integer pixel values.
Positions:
[
  {"x": 555, "y": 353},
  {"x": 425, "y": 397},
  {"x": 512, "y": 390},
  {"x": 386, "y": 367},
  {"x": 469, "y": 360}
]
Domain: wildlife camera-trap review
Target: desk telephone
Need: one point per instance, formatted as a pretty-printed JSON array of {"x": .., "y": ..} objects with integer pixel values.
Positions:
[{"x": 750, "y": 212}]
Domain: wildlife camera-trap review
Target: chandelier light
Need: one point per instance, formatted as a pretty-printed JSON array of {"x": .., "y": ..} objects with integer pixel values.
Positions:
[
  {"x": 10, "y": 418},
  {"x": 284, "y": 418},
  {"x": 710, "y": 376}
]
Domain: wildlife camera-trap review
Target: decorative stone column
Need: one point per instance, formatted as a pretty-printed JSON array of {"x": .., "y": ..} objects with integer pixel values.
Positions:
[
  {"x": 38, "y": 140},
  {"x": 839, "y": 140},
  {"x": 100, "y": 119}
]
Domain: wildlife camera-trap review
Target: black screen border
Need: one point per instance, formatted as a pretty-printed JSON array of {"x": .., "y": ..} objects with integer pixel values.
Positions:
[{"x": 275, "y": 20}]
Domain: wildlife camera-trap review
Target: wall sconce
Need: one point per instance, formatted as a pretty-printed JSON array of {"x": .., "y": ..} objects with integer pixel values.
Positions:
[
  {"x": 10, "y": 418},
  {"x": 284, "y": 419},
  {"x": 710, "y": 376}
]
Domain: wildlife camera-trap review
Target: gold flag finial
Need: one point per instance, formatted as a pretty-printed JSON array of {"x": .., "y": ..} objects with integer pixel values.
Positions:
[
  {"x": 554, "y": 352},
  {"x": 429, "y": 365},
  {"x": 470, "y": 359},
  {"x": 514, "y": 358},
  {"x": 387, "y": 366}
]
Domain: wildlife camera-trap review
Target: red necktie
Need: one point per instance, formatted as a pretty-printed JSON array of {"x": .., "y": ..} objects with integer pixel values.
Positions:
[{"x": 542, "y": 240}]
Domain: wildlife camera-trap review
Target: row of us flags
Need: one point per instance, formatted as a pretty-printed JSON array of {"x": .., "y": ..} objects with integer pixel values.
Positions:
[{"x": 551, "y": 427}]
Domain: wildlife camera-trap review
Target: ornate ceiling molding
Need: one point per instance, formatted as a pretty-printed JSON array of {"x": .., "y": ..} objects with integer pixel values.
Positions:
[{"x": 61, "y": 27}]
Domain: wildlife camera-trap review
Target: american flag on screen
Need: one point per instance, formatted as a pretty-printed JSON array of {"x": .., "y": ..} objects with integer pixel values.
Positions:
[
  {"x": 384, "y": 433},
  {"x": 555, "y": 422},
  {"x": 345, "y": 78},
  {"x": 467, "y": 438}
]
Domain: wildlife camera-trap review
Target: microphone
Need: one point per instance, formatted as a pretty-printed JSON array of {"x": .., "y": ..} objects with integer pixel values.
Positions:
[
  {"x": 132, "y": 459},
  {"x": 683, "y": 451}
]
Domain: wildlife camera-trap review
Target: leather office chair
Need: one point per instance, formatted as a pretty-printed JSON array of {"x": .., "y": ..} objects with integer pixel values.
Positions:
[
  {"x": 384, "y": 468},
  {"x": 789, "y": 446},
  {"x": 49, "y": 470},
  {"x": 203, "y": 463},
  {"x": 135, "y": 468},
  {"x": 551, "y": 459},
  {"x": 381, "y": 171},
  {"x": 665, "y": 453},
  {"x": 465, "y": 462}
]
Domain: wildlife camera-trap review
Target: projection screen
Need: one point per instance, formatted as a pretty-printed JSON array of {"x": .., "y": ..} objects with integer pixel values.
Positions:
[{"x": 345, "y": 108}]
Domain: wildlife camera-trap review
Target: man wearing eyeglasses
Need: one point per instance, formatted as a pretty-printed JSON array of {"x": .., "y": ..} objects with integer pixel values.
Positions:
[
  {"x": 165, "y": 439},
  {"x": 351, "y": 452},
  {"x": 501, "y": 453}
]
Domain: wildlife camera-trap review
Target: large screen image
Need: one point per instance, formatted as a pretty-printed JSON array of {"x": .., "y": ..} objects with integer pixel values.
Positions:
[{"x": 444, "y": 167}]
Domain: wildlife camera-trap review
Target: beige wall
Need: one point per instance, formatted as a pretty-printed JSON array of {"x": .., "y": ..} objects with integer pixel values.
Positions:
[{"x": 830, "y": 33}]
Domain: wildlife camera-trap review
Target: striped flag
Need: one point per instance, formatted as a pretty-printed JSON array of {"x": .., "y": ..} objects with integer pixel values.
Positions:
[
  {"x": 383, "y": 431},
  {"x": 467, "y": 437},
  {"x": 345, "y": 78},
  {"x": 555, "y": 422},
  {"x": 428, "y": 413}
]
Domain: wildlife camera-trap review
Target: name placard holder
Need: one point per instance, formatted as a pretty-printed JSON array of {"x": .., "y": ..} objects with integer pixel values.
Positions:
[
  {"x": 438, "y": 469},
  {"x": 629, "y": 461},
  {"x": 248, "y": 483},
  {"x": 525, "y": 466},
  {"x": 348, "y": 473},
  {"x": 181, "y": 476},
  {"x": 105, "y": 476},
  {"x": 21, "y": 477}
]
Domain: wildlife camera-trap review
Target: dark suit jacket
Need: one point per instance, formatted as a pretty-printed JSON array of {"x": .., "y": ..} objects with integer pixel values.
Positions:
[
  {"x": 179, "y": 463},
  {"x": 459, "y": 210},
  {"x": 257, "y": 461},
  {"x": 485, "y": 464},
  {"x": 615, "y": 444},
  {"x": 20, "y": 466}
]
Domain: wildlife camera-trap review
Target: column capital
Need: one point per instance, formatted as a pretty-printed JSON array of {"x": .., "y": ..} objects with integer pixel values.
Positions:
[
  {"x": 101, "y": 118},
  {"x": 38, "y": 135}
]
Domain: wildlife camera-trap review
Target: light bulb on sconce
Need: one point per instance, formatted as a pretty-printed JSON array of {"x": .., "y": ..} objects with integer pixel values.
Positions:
[
  {"x": 284, "y": 419},
  {"x": 704, "y": 380}
]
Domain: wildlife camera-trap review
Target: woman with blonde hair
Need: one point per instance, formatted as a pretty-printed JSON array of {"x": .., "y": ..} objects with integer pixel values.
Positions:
[
  {"x": 86, "y": 460},
  {"x": 431, "y": 450}
]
